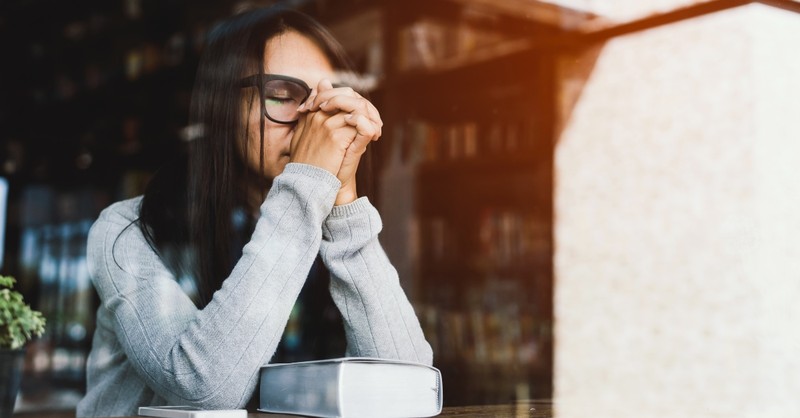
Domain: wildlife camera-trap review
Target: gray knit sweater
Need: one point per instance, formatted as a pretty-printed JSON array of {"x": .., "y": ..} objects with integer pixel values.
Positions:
[{"x": 153, "y": 346}]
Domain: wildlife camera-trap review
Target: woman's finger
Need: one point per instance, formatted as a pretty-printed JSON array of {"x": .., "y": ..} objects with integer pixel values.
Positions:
[
  {"x": 327, "y": 93},
  {"x": 354, "y": 106},
  {"x": 324, "y": 88},
  {"x": 366, "y": 131},
  {"x": 346, "y": 104},
  {"x": 372, "y": 111},
  {"x": 311, "y": 101}
]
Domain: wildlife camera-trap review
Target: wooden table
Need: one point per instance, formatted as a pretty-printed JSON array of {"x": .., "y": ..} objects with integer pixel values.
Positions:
[{"x": 528, "y": 409}]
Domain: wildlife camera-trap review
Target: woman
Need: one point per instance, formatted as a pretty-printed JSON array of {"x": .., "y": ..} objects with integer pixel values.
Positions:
[{"x": 185, "y": 320}]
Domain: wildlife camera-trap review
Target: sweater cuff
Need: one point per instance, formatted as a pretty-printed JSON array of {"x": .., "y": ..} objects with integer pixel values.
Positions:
[
  {"x": 356, "y": 222},
  {"x": 360, "y": 205},
  {"x": 315, "y": 187}
]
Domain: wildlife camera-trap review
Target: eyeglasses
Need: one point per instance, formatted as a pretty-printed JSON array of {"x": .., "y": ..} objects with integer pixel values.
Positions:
[{"x": 282, "y": 95}]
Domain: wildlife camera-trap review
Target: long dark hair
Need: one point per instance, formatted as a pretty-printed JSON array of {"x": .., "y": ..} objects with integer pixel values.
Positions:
[{"x": 187, "y": 209}]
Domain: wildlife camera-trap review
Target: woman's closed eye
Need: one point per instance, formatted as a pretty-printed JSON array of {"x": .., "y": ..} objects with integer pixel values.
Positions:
[{"x": 279, "y": 101}]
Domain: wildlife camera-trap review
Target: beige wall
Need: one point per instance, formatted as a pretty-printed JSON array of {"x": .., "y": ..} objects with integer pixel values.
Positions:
[{"x": 678, "y": 223}]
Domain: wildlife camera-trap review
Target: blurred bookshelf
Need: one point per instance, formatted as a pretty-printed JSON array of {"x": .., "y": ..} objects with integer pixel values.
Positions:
[
  {"x": 96, "y": 101},
  {"x": 99, "y": 98},
  {"x": 469, "y": 96}
]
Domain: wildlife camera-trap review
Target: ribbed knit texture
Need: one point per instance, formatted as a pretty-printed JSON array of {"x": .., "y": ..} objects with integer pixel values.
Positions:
[{"x": 152, "y": 346}]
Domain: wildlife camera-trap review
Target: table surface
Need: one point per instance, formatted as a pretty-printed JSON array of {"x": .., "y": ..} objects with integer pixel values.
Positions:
[{"x": 527, "y": 409}]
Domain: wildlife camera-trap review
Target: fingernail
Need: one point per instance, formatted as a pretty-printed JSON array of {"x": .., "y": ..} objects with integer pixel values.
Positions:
[
  {"x": 321, "y": 105},
  {"x": 348, "y": 116}
]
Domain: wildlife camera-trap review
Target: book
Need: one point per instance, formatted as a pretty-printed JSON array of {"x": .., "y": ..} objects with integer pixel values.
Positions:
[
  {"x": 190, "y": 412},
  {"x": 351, "y": 387}
]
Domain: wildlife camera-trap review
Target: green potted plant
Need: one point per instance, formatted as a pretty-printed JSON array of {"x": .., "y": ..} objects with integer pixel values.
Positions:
[{"x": 18, "y": 324}]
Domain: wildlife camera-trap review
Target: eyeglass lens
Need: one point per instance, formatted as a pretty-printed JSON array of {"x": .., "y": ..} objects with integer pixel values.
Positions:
[{"x": 282, "y": 98}]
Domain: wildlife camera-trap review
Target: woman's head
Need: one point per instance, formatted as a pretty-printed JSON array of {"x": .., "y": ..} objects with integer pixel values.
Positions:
[
  {"x": 233, "y": 116},
  {"x": 293, "y": 63},
  {"x": 238, "y": 150}
]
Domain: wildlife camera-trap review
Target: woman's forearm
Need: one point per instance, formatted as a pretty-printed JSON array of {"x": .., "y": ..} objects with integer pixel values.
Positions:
[{"x": 379, "y": 320}]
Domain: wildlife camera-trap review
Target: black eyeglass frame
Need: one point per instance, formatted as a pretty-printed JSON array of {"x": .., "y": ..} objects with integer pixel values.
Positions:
[{"x": 258, "y": 80}]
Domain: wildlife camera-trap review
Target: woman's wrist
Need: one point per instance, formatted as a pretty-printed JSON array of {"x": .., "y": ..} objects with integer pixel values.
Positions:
[{"x": 345, "y": 196}]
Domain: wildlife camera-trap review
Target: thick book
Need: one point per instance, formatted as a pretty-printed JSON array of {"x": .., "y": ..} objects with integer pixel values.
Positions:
[{"x": 352, "y": 387}]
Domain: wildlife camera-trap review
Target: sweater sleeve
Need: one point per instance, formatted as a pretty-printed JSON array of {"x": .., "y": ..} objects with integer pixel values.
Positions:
[
  {"x": 210, "y": 357},
  {"x": 379, "y": 320}
]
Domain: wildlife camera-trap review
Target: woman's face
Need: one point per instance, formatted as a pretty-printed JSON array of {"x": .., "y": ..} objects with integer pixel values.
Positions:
[{"x": 290, "y": 54}]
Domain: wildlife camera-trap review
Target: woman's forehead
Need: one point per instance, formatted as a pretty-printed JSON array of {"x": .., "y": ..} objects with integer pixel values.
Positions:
[{"x": 293, "y": 54}]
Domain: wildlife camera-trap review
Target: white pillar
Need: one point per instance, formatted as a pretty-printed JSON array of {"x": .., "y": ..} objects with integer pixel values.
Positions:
[{"x": 677, "y": 289}]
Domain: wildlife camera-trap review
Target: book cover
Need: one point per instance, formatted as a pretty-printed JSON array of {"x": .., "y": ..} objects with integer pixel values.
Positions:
[{"x": 351, "y": 387}]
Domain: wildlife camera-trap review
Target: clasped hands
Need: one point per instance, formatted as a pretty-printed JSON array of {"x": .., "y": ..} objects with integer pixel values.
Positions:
[{"x": 334, "y": 129}]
